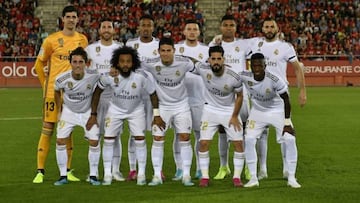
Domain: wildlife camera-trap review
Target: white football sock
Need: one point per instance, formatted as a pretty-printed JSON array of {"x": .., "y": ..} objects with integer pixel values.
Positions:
[
  {"x": 196, "y": 149},
  {"x": 239, "y": 158},
  {"x": 186, "y": 156},
  {"x": 117, "y": 154},
  {"x": 61, "y": 158},
  {"x": 176, "y": 152},
  {"x": 204, "y": 161},
  {"x": 291, "y": 153},
  {"x": 157, "y": 156},
  {"x": 131, "y": 154},
  {"x": 140, "y": 148},
  {"x": 262, "y": 147},
  {"x": 108, "y": 150},
  {"x": 251, "y": 156},
  {"x": 223, "y": 149},
  {"x": 94, "y": 156}
]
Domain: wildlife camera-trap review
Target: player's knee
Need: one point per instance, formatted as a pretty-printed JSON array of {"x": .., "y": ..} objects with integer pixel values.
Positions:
[
  {"x": 289, "y": 139},
  {"x": 204, "y": 145},
  {"x": 139, "y": 137},
  {"x": 48, "y": 125},
  {"x": 158, "y": 138},
  {"x": 93, "y": 143},
  {"x": 238, "y": 146},
  {"x": 61, "y": 141},
  {"x": 184, "y": 136},
  {"x": 250, "y": 141}
]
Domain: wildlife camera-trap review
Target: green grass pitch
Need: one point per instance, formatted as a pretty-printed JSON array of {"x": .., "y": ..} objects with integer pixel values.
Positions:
[{"x": 328, "y": 139}]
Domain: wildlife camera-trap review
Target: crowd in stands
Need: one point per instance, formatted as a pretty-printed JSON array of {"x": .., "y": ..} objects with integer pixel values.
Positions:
[
  {"x": 19, "y": 29},
  {"x": 169, "y": 16},
  {"x": 315, "y": 27}
]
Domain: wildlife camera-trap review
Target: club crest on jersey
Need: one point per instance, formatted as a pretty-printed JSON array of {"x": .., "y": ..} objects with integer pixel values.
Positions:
[
  {"x": 208, "y": 77},
  {"x": 116, "y": 81},
  {"x": 250, "y": 83},
  {"x": 226, "y": 87},
  {"x": 181, "y": 50},
  {"x": 88, "y": 87},
  {"x": 61, "y": 42},
  {"x": 260, "y": 44},
  {"x": 61, "y": 124},
  {"x": 136, "y": 45},
  {"x": 97, "y": 49},
  {"x": 155, "y": 52},
  {"x": 70, "y": 85},
  {"x": 177, "y": 73},
  {"x": 201, "y": 56},
  {"x": 158, "y": 69},
  {"x": 237, "y": 49},
  {"x": 133, "y": 85},
  {"x": 276, "y": 52},
  {"x": 267, "y": 91}
]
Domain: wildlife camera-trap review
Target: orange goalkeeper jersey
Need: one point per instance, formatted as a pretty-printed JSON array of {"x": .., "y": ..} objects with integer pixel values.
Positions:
[{"x": 55, "y": 52}]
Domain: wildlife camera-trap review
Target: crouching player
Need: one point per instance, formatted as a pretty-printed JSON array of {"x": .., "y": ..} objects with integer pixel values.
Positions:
[
  {"x": 223, "y": 100},
  {"x": 270, "y": 106},
  {"x": 76, "y": 86},
  {"x": 126, "y": 104}
]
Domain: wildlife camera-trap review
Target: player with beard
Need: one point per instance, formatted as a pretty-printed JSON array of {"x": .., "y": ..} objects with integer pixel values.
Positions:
[
  {"x": 223, "y": 100},
  {"x": 99, "y": 54},
  {"x": 126, "y": 104},
  {"x": 277, "y": 54}
]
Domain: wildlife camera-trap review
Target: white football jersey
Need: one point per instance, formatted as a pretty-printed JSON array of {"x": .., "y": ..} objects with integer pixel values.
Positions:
[
  {"x": 145, "y": 50},
  {"x": 126, "y": 92},
  {"x": 235, "y": 53},
  {"x": 77, "y": 94},
  {"x": 220, "y": 91},
  {"x": 100, "y": 56},
  {"x": 277, "y": 54},
  {"x": 265, "y": 94},
  {"x": 193, "y": 83},
  {"x": 169, "y": 80}
]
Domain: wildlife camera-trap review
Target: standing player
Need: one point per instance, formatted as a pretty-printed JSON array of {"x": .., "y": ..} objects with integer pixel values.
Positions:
[
  {"x": 191, "y": 47},
  {"x": 169, "y": 72},
  {"x": 147, "y": 47},
  {"x": 76, "y": 86},
  {"x": 223, "y": 97},
  {"x": 100, "y": 55},
  {"x": 270, "y": 106},
  {"x": 235, "y": 51},
  {"x": 54, "y": 53},
  {"x": 126, "y": 104},
  {"x": 277, "y": 54}
]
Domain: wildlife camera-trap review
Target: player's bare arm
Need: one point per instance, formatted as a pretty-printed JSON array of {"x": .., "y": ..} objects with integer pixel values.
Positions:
[
  {"x": 157, "y": 118},
  {"x": 288, "y": 126},
  {"x": 300, "y": 81},
  {"x": 94, "y": 104},
  {"x": 234, "y": 120}
]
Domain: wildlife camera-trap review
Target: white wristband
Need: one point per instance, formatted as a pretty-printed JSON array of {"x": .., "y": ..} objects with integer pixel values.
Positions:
[
  {"x": 156, "y": 112},
  {"x": 288, "y": 122}
]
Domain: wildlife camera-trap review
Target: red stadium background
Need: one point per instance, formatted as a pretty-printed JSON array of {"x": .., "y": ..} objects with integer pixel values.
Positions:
[{"x": 317, "y": 73}]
